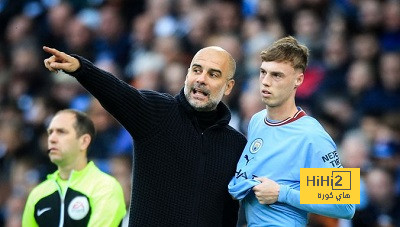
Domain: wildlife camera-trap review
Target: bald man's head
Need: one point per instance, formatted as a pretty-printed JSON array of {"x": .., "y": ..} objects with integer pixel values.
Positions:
[
  {"x": 209, "y": 78},
  {"x": 231, "y": 63}
]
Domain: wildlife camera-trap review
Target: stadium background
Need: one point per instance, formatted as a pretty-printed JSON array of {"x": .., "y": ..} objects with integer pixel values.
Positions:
[{"x": 352, "y": 84}]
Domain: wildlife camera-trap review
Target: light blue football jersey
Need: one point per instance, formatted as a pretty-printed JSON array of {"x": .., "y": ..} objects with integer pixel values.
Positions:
[{"x": 278, "y": 151}]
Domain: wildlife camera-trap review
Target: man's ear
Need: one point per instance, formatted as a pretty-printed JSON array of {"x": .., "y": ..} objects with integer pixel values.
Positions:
[
  {"x": 299, "y": 80},
  {"x": 229, "y": 86},
  {"x": 85, "y": 140}
]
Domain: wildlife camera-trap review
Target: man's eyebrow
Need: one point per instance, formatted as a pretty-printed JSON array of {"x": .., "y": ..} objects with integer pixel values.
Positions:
[
  {"x": 216, "y": 70},
  {"x": 197, "y": 65},
  {"x": 210, "y": 70},
  {"x": 272, "y": 72}
]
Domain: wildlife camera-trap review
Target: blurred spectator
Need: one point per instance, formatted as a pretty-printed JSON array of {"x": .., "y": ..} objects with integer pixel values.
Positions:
[
  {"x": 170, "y": 49},
  {"x": 332, "y": 125},
  {"x": 391, "y": 23},
  {"x": 53, "y": 31},
  {"x": 13, "y": 147},
  {"x": 112, "y": 39},
  {"x": 111, "y": 66},
  {"x": 121, "y": 169},
  {"x": 337, "y": 24},
  {"x": 225, "y": 16},
  {"x": 360, "y": 79},
  {"x": 338, "y": 107},
  {"x": 336, "y": 62},
  {"x": 313, "y": 77},
  {"x": 386, "y": 147},
  {"x": 23, "y": 179},
  {"x": 111, "y": 139},
  {"x": 256, "y": 38},
  {"x": 308, "y": 30},
  {"x": 249, "y": 104},
  {"x": 142, "y": 31},
  {"x": 165, "y": 23},
  {"x": 64, "y": 90},
  {"x": 384, "y": 206},
  {"x": 20, "y": 30},
  {"x": 199, "y": 29},
  {"x": 355, "y": 152},
  {"x": 370, "y": 16},
  {"x": 386, "y": 95},
  {"x": 81, "y": 35},
  {"x": 147, "y": 70},
  {"x": 287, "y": 10},
  {"x": 27, "y": 77},
  {"x": 365, "y": 47},
  {"x": 141, "y": 38},
  {"x": 106, "y": 132},
  {"x": 173, "y": 77}
]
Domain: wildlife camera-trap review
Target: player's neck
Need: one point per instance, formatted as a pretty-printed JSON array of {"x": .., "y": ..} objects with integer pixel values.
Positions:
[{"x": 280, "y": 113}]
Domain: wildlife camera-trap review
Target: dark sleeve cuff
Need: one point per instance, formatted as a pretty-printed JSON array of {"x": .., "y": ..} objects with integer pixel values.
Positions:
[{"x": 83, "y": 64}]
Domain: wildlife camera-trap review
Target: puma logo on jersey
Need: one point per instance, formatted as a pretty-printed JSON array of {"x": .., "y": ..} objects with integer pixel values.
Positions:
[{"x": 41, "y": 211}]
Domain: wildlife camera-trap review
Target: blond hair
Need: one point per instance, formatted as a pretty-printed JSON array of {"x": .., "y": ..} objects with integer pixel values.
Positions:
[{"x": 287, "y": 49}]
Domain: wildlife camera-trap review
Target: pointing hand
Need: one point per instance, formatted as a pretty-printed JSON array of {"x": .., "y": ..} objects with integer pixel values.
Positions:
[{"x": 60, "y": 60}]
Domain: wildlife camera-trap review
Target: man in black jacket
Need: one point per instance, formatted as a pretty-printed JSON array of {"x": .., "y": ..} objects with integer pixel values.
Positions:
[{"x": 185, "y": 151}]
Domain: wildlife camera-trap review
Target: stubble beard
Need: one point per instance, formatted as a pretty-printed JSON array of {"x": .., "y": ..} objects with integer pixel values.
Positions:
[{"x": 197, "y": 105}]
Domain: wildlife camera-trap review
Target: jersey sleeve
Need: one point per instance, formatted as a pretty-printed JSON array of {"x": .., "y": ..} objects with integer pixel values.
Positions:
[
  {"x": 108, "y": 206},
  {"x": 292, "y": 197},
  {"x": 322, "y": 154},
  {"x": 28, "y": 217}
]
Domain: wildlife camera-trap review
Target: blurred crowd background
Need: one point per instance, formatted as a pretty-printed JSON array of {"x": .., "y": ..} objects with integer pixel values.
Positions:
[{"x": 352, "y": 84}]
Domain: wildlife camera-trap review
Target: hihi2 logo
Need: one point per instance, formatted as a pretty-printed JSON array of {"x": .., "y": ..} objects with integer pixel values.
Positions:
[{"x": 329, "y": 185}]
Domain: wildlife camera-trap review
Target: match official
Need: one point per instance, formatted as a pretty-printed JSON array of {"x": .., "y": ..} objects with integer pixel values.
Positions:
[{"x": 78, "y": 193}]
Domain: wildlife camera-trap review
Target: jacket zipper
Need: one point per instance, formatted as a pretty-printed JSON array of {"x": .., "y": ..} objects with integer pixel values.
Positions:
[{"x": 62, "y": 198}]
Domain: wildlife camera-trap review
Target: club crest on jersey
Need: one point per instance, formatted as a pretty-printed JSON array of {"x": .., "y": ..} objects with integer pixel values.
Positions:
[
  {"x": 78, "y": 208},
  {"x": 256, "y": 145}
]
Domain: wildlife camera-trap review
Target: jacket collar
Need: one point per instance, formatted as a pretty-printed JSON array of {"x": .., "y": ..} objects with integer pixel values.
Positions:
[
  {"x": 74, "y": 174},
  {"x": 224, "y": 114}
]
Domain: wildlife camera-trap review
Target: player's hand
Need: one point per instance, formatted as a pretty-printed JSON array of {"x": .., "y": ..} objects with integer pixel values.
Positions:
[
  {"x": 60, "y": 60},
  {"x": 267, "y": 192}
]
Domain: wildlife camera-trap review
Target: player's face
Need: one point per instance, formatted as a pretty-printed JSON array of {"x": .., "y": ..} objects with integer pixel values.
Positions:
[
  {"x": 207, "y": 80},
  {"x": 63, "y": 143},
  {"x": 278, "y": 83}
]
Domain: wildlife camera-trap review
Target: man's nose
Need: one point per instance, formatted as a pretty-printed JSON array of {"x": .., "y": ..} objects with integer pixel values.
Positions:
[
  {"x": 201, "y": 78},
  {"x": 52, "y": 138},
  {"x": 266, "y": 80}
]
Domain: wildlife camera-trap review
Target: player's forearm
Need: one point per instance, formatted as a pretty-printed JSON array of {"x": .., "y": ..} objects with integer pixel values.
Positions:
[{"x": 292, "y": 197}]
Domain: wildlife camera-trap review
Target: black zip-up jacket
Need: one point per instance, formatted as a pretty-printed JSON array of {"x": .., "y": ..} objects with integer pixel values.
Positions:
[{"x": 181, "y": 173}]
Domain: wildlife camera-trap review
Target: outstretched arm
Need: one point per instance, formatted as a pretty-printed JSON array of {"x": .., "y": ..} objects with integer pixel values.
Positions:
[
  {"x": 60, "y": 61},
  {"x": 138, "y": 111}
]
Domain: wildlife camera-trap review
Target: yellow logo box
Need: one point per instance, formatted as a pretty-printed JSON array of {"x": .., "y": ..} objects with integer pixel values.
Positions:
[{"x": 329, "y": 185}]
